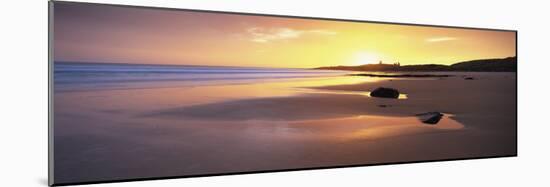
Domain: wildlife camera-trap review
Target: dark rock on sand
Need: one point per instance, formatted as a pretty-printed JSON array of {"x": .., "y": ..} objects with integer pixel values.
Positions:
[
  {"x": 468, "y": 78},
  {"x": 431, "y": 118},
  {"x": 385, "y": 93}
]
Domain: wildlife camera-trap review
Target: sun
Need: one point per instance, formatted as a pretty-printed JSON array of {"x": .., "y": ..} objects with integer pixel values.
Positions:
[{"x": 363, "y": 58}]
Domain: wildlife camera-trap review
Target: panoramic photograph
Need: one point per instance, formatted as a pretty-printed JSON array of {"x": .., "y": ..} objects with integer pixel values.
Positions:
[{"x": 141, "y": 93}]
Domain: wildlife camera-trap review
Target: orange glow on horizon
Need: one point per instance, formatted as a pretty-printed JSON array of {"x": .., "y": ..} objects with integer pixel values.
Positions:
[{"x": 363, "y": 58}]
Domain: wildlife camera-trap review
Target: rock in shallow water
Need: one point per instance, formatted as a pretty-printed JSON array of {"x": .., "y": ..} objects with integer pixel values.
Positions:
[
  {"x": 431, "y": 118},
  {"x": 385, "y": 93}
]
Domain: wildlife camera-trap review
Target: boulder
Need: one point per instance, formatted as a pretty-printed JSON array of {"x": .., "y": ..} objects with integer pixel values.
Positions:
[
  {"x": 431, "y": 118},
  {"x": 385, "y": 93}
]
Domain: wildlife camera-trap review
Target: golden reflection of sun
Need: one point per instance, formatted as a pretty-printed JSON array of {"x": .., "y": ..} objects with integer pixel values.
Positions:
[{"x": 363, "y": 58}]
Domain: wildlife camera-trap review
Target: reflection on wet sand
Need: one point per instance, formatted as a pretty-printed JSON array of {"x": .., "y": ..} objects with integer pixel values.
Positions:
[
  {"x": 285, "y": 124},
  {"x": 375, "y": 127},
  {"x": 363, "y": 127},
  {"x": 366, "y": 94}
]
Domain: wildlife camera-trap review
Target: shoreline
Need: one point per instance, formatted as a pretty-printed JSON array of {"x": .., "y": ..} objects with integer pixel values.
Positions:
[
  {"x": 261, "y": 126},
  {"x": 400, "y": 75}
]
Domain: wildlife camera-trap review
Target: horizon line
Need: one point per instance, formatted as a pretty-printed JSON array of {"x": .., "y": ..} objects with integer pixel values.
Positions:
[{"x": 146, "y": 64}]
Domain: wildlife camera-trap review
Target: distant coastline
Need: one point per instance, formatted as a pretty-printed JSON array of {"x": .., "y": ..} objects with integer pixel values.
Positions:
[{"x": 508, "y": 64}]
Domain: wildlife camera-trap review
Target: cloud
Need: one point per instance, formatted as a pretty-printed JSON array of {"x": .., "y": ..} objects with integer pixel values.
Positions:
[
  {"x": 322, "y": 32},
  {"x": 441, "y": 39},
  {"x": 264, "y": 35}
]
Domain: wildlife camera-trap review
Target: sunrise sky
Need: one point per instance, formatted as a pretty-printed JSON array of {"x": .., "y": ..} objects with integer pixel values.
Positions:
[{"x": 99, "y": 33}]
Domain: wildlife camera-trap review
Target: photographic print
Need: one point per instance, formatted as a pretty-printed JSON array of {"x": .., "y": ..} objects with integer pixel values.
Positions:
[{"x": 150, "y": 93}]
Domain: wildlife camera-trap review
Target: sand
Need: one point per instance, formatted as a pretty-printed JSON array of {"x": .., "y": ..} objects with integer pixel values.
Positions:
[{"x": 239, "y": 128}]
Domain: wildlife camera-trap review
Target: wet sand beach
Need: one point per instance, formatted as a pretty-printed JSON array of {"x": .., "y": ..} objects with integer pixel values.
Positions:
[{"x": 111, "y": 134}]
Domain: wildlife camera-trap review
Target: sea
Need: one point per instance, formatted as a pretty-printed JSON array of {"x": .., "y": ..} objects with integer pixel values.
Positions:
[{"x": 81, "y": 76}]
